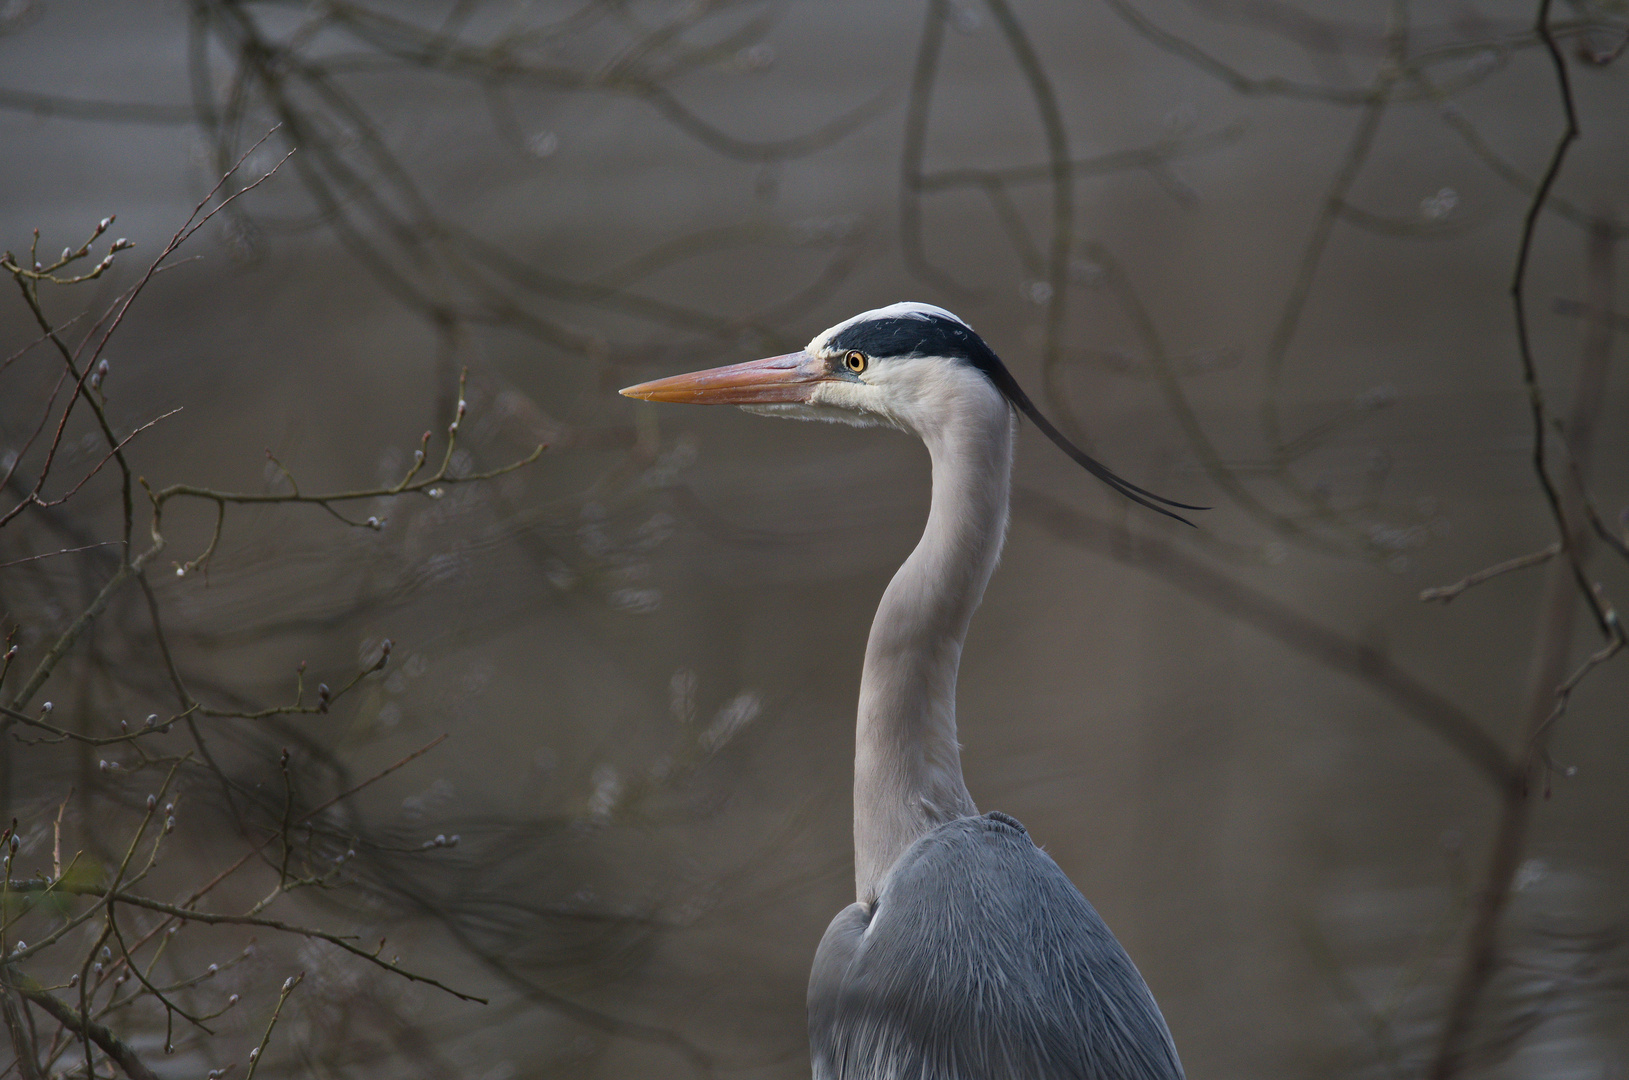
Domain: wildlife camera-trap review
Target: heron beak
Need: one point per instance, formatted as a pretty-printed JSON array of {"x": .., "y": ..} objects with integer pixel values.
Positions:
[{"x": 777, "y": 379}]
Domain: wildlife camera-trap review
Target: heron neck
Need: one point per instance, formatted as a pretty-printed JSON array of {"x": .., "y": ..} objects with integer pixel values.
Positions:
[{"x": 907, "y": 765}]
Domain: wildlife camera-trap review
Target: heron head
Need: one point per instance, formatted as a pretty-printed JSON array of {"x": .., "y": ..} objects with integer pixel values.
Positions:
[
  {"x": 911, "y": 366},
  {"x": 902, "y": 366}
]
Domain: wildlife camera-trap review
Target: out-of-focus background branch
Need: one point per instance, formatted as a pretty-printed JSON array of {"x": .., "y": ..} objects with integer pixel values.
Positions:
[{"x": 569, "y": 730}]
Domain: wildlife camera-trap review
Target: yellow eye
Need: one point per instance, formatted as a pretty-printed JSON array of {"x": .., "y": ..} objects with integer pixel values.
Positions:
[{"x": 855, "y": 362}]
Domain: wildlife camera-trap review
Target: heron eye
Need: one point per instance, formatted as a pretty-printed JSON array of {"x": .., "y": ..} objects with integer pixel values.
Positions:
[{"x": 855, "y": 362}]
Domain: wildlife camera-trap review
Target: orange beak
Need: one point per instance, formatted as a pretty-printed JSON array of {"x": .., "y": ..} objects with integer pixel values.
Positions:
[{"x": 777, "y": 379}]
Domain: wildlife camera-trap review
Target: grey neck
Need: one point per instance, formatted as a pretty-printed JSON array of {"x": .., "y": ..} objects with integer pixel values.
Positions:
[{"x": 907, "y": 762}]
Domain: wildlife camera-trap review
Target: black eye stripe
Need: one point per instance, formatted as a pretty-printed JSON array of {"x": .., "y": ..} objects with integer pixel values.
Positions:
[{"x": 926, "y": 334}]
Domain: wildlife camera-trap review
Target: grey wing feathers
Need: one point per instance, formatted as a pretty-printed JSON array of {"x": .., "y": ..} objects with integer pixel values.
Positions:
[{"x": 981, "y": 961}]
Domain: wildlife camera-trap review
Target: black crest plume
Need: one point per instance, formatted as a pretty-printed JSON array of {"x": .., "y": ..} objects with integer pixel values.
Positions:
[{"x": 923, "y": 333}]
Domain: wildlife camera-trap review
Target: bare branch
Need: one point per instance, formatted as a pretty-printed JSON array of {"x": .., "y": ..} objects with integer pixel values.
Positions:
[{"x": 76, "y": 1022}]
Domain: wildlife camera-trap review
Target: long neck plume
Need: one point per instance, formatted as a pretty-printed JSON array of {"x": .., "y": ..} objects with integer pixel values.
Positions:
[{"x": 907, "y": 763}]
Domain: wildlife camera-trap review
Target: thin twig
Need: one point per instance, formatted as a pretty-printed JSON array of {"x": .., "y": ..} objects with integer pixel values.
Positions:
[
  {"x": 54, "y": 554},
  {"x": 283, "y": 995},
  {"x": 1445, "y": 593},
  {"x": 186, "y": 914}
]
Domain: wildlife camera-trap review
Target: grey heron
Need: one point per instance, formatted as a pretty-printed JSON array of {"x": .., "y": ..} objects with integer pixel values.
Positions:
[{"x": 968, "y": 954}]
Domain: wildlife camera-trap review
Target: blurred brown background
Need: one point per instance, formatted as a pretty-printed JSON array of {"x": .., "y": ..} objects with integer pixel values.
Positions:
[{"x": 1278, "y": 286}]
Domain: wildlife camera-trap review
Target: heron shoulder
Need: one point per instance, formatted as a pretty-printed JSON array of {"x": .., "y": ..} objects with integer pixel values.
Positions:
[{"x": 980, "y": 958}]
